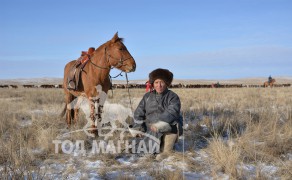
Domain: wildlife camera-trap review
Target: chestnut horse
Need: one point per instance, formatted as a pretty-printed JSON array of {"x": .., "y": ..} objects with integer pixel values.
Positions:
[
  {"x": 271, "y": 84},
  {"x": 112, "y": 54}
]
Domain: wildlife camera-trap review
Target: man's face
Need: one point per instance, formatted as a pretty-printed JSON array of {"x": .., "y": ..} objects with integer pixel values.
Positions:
[{"x": 159, "y": 85}]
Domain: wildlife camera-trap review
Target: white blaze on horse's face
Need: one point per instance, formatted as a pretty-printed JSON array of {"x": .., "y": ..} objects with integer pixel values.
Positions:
[{"x": 118, "y": 55}]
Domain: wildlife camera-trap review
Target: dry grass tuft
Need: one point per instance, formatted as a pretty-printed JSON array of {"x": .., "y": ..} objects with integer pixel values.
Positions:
[
  {"x": 224, "y": 157},
  {"x": 161, "y": 173}
]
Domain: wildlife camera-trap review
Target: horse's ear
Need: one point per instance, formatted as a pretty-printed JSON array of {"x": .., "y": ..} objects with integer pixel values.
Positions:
[{"x": 115, "y": 38}]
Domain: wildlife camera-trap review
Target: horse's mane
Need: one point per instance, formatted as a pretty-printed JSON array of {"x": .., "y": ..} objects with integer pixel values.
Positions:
[{"x": 106, "y": 43}]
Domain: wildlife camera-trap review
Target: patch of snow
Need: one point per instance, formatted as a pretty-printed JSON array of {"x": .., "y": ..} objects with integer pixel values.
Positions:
[
  {"x": 171, "y": 163},
  {"x": 198, "y": 159},
  {"x": 74, "y": 176},
  {"x": 37, "y": 112},
  {"x": 113, "y": 175},
  {"x": 78, "y": 152},
  {"x": 126, "y": 160},
  {"x": 219, "y": 104},
  {"x": 93, "y": 175},
  {"x": 53, "y": 171},
  {"x": 205, "y": 129},
  {"x": 142, "y": 175},
  {"x": 25, "y": 122},
  {"x": 268, "y": 169},
  {"x": 251, "y": 169},
  {"x": 195, "y": 176},
  {"x": 58, "y": 167},
  {"x": 192, "y": 108},
  {"x": 289, "y": 156},
  {"x": 93, "y": 164},
  {"x": 247, "y": 169},
  {"x": 37, "y": 151},
  {"x": 12, "y": 99},
  {"x": 222, "y": 176},
  {"x": 64, "y": 134},
  {"x": 117, "y": 175},
  {"x": 185, "y": 126},
  {"x": 202, "y": 154},
  {"x": 256, "y": 142}
]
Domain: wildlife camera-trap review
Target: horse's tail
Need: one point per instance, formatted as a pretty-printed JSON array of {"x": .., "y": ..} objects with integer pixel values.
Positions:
[
  {"x": 64, "y": 111},
  {"x": 68, "y": 109}
]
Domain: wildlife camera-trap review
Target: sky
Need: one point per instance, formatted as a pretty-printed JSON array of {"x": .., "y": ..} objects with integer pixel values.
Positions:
[{"x": 195, "y": 39}]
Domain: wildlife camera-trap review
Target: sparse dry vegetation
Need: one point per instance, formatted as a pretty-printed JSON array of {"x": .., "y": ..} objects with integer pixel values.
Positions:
[{"x": 233, "y": 128}]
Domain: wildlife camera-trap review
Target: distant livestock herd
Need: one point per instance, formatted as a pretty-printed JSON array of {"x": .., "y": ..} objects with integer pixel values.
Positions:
[
  {"x": 141, "y": 86},
  {"x": 32, "y": 86}
]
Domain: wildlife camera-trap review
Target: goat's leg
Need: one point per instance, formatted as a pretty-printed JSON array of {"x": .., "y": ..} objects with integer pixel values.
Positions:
[{"x": 93, "y": 117}]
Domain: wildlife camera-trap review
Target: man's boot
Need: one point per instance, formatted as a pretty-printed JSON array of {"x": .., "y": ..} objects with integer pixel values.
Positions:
[
  {"x": 168, "y": 144},
  {"x": 169, "y": 141}
]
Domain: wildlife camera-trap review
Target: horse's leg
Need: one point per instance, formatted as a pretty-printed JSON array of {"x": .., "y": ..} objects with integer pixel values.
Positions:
[
  {"x": 68, "y": 112},
  {"x": 76, "y": 109},
  {"x": 68, "y": 117},
  {"x": 70, "y": 108}
]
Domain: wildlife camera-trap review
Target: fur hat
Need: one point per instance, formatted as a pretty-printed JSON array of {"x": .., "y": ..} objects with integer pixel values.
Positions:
[{"x": 163, "y": 74}]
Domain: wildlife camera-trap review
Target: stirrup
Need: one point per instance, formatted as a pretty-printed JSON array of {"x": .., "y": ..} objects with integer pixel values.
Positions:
[{"x": 70, "y": 86}]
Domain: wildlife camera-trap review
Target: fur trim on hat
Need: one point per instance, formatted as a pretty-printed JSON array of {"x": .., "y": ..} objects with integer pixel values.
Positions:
[{"x": 163, "y": 74}]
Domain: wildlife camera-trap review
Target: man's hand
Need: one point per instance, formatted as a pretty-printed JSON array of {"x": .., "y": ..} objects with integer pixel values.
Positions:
[
  {"x": 139, "y": 135},
  {"x": 153, "y": 128}
]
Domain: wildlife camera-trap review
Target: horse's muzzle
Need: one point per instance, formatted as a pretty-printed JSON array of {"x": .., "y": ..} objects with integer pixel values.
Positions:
[{"x": 133, "y": 68}]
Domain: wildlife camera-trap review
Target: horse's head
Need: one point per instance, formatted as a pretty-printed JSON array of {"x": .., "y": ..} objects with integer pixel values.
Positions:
[{"x": 118, "y": 55}]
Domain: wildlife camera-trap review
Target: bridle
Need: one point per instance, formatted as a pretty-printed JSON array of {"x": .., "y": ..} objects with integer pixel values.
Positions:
[
  {"x": 107, "y": 59},
  {"x": 120, "y": 64}
]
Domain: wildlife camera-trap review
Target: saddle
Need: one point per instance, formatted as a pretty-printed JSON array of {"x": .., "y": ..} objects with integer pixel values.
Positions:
[{"x": 75, "y": 72}]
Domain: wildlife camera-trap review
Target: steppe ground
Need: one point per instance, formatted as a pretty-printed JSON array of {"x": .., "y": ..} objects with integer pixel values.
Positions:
[{"x": 243, "y": 133}]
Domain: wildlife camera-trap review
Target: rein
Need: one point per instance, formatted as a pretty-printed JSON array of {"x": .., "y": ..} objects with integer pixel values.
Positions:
[
  {"x": 100, "y": 60},
  {"x": 129, "y": 92},
  {"x": 127, "y": 81},
  {"x": 120, "y": 74}
]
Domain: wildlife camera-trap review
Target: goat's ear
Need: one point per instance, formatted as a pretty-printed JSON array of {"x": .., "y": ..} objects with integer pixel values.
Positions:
[{"x": 115, "y": 38}]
